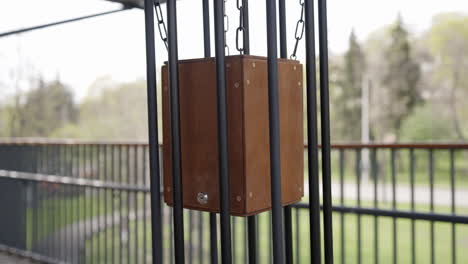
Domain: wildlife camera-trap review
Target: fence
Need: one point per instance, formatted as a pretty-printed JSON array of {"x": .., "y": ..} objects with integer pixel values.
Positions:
[{"x": 69, "y": 202}]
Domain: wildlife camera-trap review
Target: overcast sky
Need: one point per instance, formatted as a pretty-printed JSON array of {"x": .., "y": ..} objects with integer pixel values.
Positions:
[{"x": 114, "y": 45}]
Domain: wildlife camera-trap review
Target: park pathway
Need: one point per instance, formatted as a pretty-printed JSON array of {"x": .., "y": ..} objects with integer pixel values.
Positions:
[{"x": 442, "y": 195}]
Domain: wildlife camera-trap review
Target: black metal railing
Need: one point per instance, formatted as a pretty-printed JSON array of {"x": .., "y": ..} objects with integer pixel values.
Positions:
[{"x": 89, "y": 202}]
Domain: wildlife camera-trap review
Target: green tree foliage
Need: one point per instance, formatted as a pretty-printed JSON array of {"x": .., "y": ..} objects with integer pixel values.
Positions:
[
  {"x": 111, "y": 112},
  {"x": 399, "y": 83},
  {"x": 448, "y": 42},
  {"x": 348, "y": 96},
  {"x": 42, "y": 110}
]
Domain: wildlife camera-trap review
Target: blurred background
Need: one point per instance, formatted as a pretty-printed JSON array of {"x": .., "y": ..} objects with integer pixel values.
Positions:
[
  {"x": 398, "y": 74},
  {"x": 404, "y": 62}
]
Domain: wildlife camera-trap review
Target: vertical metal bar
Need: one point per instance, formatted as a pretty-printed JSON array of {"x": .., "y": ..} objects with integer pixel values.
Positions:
[
  {"x": 452, "y": 198},
  {"x": 431, "y": 185},
  {"x": 112, "y": 193},
  {"x": 135, "y": 201},
  {"x": 190, "y": 237},
  {"x": 312, "y": 134},
  {"x": 175, "y": 131},
  {"x": 298, "y": 236},
  {"x": 120, "y": 180},
  {"x": 245, "y": 4},
  {"x": 251, "y": 220},
  {"x": 91, "y": 201},
  {"x": 274, "y": 129},
  {"x": 155, "y": 181},
  {"x": 376, "y": 203},
  {"x": 393, "y": 173},
  {"x": 287, "y": 209},
  {"x": 106, "y": 196},
  {"x": 325, "y": 129},
  {"x": 224, "y": 189},
  {"x": 341, "y": 159},
  {"x": 207, "y": 51},
  {"x": 127, "y": 196},
  {"x": 78, "y": 196},
  {"x": 144, "y": 159},
  {"x": 413, "y": 232},
  {"x": 200, "y": 237},
  {"x": 234, "y": 240},
  {"x": 99, "y": 201},
  {"x": 358, "y": 194}
]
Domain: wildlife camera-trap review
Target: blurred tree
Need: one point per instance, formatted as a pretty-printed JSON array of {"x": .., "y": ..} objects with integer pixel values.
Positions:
[
  {"x": 448, "y": 42},
  {"x": 348, "y": 96},
  {"x": 43, "y": 110},
  {"x": 399, "y": 82}
]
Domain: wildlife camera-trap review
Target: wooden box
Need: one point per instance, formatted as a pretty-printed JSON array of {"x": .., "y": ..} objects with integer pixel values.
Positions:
[{"x": 248, "y": 134}]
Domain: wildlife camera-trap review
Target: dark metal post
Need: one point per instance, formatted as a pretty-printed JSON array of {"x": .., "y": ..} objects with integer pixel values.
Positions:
[
  {"x": 156, "y": 228},
  {"x": 273, "y": 110},
  {"x": 175, "y": 131},
  {"x": 312, "y": 138},
  {"x": 325, "y": 129},
  {"x": 224, "y": 190},
  {"x": 207, "y": 49},
  {"x": 287, "y": 209},
  {"x": 245, "y": 4}
]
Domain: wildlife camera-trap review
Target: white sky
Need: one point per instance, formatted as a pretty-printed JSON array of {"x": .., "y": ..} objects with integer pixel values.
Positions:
[{"x": 114, "y": 45}]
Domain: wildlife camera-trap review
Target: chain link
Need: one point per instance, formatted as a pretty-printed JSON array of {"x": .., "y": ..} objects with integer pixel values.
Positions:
[
  {"x": 226, "y": 28},
  {"x": 161, "y": 24},
  {"x": 240, "y": 31},
  {"x": 299, "y": 34}
]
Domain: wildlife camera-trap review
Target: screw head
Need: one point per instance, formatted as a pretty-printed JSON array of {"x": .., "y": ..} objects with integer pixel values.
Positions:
[
  {"x": 236, "y": 85},
  {"x": 238, "y": 198},
  {"x": 202, "y": 198},
  {"x": 253, "y": 64}
]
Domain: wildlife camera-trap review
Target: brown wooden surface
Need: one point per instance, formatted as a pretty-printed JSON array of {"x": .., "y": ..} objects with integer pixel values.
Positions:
[{"x": 248, "y": 135}]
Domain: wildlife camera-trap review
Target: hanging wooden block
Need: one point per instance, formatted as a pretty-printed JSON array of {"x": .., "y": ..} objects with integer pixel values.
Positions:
[{"x": 248, "y": 134}]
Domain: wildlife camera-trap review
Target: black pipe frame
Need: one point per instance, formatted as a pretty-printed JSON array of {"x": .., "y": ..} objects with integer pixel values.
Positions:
[
  {"x": 325, "y": 132},
  {"x": 312, "y": 138},
  {"x": 207, "y": 53},
  {"x": 155, "y": 179},
  {"x": 177, "y": 187},
  {"x": 274, "y": 127},
  {"x": 28, "y": 29},
  {"x": 284, "y": 55},
  {"x": 224, "y": 190}
]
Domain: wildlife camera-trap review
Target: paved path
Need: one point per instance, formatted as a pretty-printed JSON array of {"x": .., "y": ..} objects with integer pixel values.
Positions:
[
  {"x": 68, "y": 244},
  {"x": 6, "y": 258},
  {"x": 442, "y": 196}
]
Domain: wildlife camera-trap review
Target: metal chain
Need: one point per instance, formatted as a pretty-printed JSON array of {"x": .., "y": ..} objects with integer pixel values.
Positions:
[
  {"x": 300, "y": 26},
  {"x": 240, "y": 30},
  {"x": 161, "y": 24},
  {"x": 226, "y": 28}
]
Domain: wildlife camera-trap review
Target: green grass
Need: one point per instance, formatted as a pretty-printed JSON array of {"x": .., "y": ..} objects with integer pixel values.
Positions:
[{"x": 442, "y": 234}]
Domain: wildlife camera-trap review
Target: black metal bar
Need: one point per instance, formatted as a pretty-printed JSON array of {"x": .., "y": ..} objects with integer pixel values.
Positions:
[
  {"x": 376, "y": 203},
  {"x": 175, "y": 132},
  {"x": 435, "y": 217},
  {"x": 207, "y": 51},
  {"x": 274, "y": 127},
  {"x": 394, "y": 220},
  {"x": 358, "y": 194},
  {"x": 341, "y": 160},
  {"x": 245, "y": 4},
  {"x": 431, "y": 193},
  {"x": 200, "y": 237},
  {"x": 312, "y": 134},
  {"x": 127, "y": 197},
  {"x": 413, "y": 232},
  {"x": 224, "y": 189},
  {"x": 287, "y": 209},
  {"x": 252, "y": 238},
  {"x": 282, "y": 29},
  {"x": 453, "y": 209},
  {"x": 325, "y": 129},
  {"x": 206, "y": 28},
  {"x": 23, "y": 30},
  {"x": 190, "y": 237},
  {"x": 120, "y": 164},
  {"x": 135, "y": 202}
]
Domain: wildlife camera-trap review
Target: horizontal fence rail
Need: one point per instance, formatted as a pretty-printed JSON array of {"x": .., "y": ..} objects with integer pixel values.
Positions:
[{"x": 89, "y": 202}]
